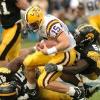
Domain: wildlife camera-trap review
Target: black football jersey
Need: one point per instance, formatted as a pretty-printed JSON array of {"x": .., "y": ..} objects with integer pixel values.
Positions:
[
  {"x": 9, "y": 13},
  {"x": 92, "y": 64}
]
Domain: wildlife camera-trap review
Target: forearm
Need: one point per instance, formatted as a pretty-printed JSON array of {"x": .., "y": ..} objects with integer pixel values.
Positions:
[
  {"x": 57, "y": 48},
  {"x": 75, "y": 69},
  {"x": 63, "y": 42},
  {"x": 3, "y": 63},
  {"x": 16, "y": 63},
  {"x": 26, "y": 51},
  {"x": 61, "y": 46}
]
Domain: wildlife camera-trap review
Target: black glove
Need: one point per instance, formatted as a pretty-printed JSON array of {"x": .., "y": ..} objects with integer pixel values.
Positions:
[{"x": 50, "y": 67}]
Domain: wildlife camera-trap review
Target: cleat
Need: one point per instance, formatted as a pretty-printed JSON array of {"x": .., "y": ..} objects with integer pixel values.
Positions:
[
  {"x": 30, "y": 94},
  {"x": 79, "y": 93}
]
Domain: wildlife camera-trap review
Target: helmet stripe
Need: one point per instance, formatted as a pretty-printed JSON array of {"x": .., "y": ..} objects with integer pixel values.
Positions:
[
  {"x": 26, "y": 15},
  {"x": 50, "y": 24}
]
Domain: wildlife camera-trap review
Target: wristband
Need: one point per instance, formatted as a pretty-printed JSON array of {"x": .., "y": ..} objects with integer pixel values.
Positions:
[
  {"x": 59, "y": 67},
  {"x": 34, "y": 48},
  {"x": 51, "y": 50}
]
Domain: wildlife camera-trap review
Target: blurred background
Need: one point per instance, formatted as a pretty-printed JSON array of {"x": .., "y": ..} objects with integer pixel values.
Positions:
[{"x": 72, "y": 13}]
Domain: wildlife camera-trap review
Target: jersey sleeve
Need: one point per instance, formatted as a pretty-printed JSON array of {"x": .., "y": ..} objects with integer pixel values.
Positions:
[
  {"x": 92, "y": 54},
  {"x": 14, "y": 1},
  {"x": 54, "y": 29}
]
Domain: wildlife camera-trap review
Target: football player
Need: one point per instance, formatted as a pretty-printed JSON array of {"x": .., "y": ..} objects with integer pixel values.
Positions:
[
  {"x": 88, "y": 49},
  {"x": 12, "y": 78},
  {"x": 50, "y": 28},
  {"x": 11, "y": 37},
  {"x": 83, "y": 33}
]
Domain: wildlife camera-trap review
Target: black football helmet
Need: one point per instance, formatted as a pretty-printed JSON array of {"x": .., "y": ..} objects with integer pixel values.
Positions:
[{"x": 86, "y": 35}]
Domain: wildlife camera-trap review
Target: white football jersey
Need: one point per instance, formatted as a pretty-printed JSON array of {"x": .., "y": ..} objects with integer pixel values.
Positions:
[{"x": 53, "y": 27}]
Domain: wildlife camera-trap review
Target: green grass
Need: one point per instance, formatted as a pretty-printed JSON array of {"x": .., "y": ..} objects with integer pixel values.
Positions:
[
  {"x": 27, "y": 43},
  {"x": 96, "y": 96}
]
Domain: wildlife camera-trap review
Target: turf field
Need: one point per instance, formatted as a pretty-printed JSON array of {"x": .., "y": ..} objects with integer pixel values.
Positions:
[
  {"x": 27, "y": 43},
  {"x": 96, "y": 96}
]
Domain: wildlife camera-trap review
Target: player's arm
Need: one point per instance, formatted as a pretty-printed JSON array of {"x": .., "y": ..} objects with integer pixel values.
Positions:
[
  {"x": 23, "y": 4},
  {"x": 63, "y": 42},
  {"x": 56, "y": 32},
  {"x": 75, "y": 69},
  {"x": 16, "y": 63}
]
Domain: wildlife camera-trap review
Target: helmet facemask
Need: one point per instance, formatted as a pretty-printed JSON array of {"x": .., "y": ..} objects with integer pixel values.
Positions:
[
  {"x": 79, "y": 38},
  {"x": 35, "y": 26},
  {"x": 86, "y": 34}
]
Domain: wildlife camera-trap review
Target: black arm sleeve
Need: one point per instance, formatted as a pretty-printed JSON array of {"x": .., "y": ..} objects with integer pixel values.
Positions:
[
  {"x": 14, "y": 1},
  {"x": 77, "y": 68}
]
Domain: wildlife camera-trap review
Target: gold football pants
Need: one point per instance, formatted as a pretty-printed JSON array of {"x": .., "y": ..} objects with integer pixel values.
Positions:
[
  {"x": 39, "y": 59},
  {"x": 11, "y": 42}
]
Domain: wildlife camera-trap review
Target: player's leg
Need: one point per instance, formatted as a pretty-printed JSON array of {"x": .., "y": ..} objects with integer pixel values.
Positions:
[
  {"x": 50, "y": 82},
  {"x": 11, "y": 37},
  {"x": 30, "y": 63}
]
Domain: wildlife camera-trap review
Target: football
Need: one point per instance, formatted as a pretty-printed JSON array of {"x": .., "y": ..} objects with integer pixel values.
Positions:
[{"x": 48, "y": 43}]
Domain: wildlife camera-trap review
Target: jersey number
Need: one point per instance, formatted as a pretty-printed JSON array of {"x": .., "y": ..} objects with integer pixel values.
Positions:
[
  {"x": 20, "y": 75},
  {"x": 4, "y": 8},
  {"x": 56, "y": 29},
  {"x": 96, "y": 47}
]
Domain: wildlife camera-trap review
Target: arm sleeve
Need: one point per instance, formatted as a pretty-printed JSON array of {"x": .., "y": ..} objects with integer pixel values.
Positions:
[{"x": 55, "y": 30}]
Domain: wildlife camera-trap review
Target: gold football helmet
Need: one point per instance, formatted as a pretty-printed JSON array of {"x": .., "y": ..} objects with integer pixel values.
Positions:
[{"x": 34, "y": 17}]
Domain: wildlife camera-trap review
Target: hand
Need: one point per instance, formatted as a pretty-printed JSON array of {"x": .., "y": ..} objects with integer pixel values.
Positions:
[
  {"x": 37, "y": 46},
  {"x": 44, "y": 49},
  {"x": 50, "y": 67}
]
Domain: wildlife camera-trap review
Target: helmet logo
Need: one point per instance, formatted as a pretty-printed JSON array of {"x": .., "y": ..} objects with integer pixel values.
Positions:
[
  {"x": 34, "y": 17},
  {"x": 90, "y": 36},
  {"x": 35, "y": 12}
]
